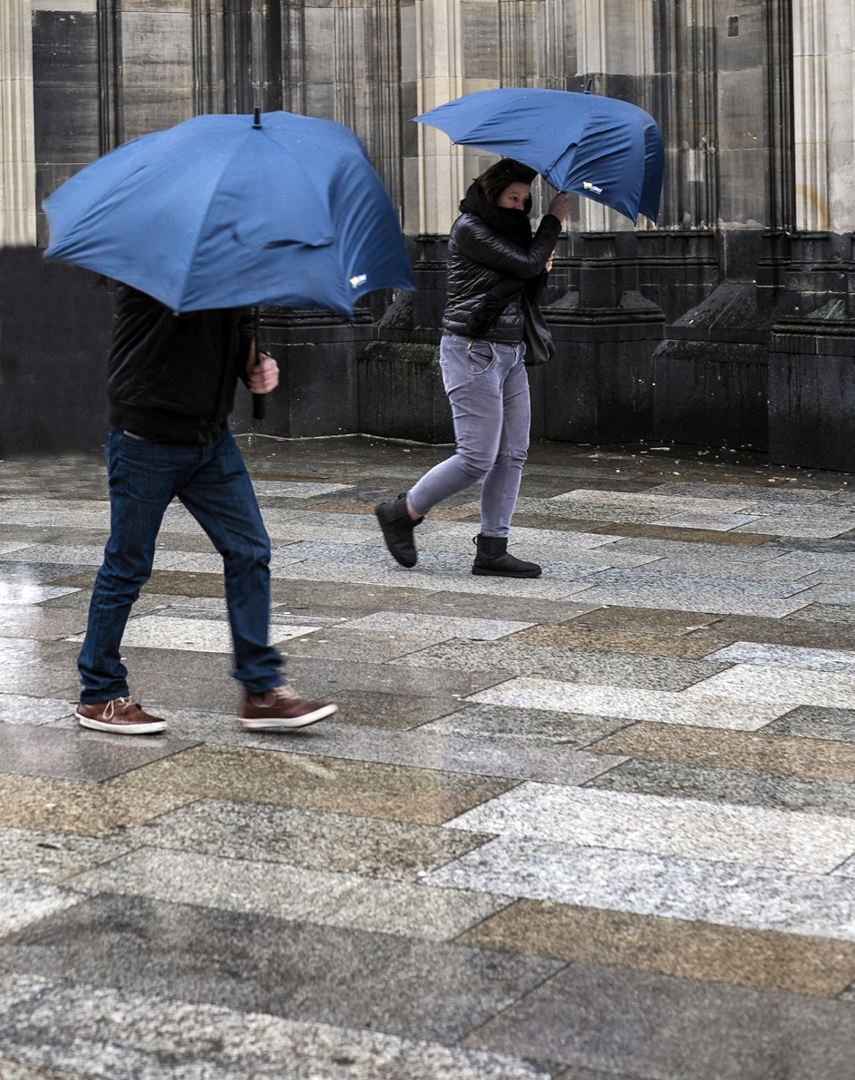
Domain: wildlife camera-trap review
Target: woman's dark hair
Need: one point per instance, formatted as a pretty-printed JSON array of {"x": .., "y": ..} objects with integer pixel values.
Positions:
[{"x": 501, "y": 175}]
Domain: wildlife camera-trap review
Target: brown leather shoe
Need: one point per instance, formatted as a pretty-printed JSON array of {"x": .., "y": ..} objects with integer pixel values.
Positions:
[
  {"x": 121, "y": 715},
  {"x": 281, "y": 708}
]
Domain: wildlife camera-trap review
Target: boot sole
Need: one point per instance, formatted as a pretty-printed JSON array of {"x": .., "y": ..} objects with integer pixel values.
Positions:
[
  {"x": 272, "y": 723},
  {"x": 121, "y": 729},
  {"x": 501, "y": 573}
]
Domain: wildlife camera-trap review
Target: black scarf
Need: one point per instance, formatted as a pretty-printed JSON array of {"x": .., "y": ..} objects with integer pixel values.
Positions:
[{"x": 512, "y": 224}]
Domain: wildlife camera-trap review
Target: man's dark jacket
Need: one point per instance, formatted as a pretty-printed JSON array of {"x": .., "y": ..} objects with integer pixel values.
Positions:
[
  {"x": 479, "y": 258},
  {"x": 172, "y": 377}
]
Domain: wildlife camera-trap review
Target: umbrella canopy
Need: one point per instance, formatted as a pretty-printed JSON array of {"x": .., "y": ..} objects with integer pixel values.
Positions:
[
  {"x": 221, "y": 212},
  {"x": 608, "y": 150}
]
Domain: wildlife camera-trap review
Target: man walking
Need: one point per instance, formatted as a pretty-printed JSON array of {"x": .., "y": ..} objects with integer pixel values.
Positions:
[{"x": 171, "y": 383}]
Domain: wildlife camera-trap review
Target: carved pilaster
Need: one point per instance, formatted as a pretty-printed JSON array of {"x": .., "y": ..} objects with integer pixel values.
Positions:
[
  {"x": 208, "y": 57},
  {"x": 17, "y": 151},
  {"x": 694, "y": 112},
  {"x": 384, "y": 77},
  {"x": 111, "y": 105},
  {"x": 517, "y": 54},
  {"x": 779, "y": 64},
  {"x": 811, "y": 114}
]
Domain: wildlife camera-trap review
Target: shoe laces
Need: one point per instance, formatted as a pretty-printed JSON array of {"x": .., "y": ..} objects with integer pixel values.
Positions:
[{"x": 124, "y": 704}]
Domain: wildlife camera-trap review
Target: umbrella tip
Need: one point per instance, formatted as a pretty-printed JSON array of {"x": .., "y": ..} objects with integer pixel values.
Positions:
[
  {"x": 256, "y": 123},
  {"x": 589, "y": 86}
]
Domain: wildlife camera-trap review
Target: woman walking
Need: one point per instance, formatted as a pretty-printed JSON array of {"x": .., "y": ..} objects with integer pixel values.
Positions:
[{"x": 493, "y": 261}]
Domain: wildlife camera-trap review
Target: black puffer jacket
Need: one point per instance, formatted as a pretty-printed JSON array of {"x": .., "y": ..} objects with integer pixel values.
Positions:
[
  {"x": 478, "y": 259},
  {"x": 172, "y": 377}
]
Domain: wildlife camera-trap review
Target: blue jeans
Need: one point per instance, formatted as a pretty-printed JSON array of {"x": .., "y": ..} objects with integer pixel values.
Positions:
[
  {"x": 212, "y": 482},
  {"x": 487, "y": 385}
]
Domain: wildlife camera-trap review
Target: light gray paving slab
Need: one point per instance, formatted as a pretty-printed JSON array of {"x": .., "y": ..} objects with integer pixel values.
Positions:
[
  {"x": 649, "y": 500},
  {"x": 17, "y": 593},
  {"x": 296, "y": 489},
  {"x": 656, "y": 706},
  {"x": 18, "y": 709},
  {"x": 571, "y": 665},
  {"x": 720, "y": 564},
  {"x": 748, "y": 835},
  {"x": 767, "y": 683},
  {"x": 446, "y": 626},
  {"x": 292, "y": 892},
  {"x": 49, "y": 858},
  {"x": 696, "y": 890},
  {"x": 25, "y": 902},
  {"x": 535, "y": 727},
  {"x": 105, "y": 1032},
  {"x": 423, "y": 576},
  {"x": 425, "y": 749},
  {"x": 707, "y": 584},
  {"x": 682, "y": 600},
  {"x": 745, "y": 493},
  {"x": 791, "y": 656},
  {"x": 818, "y": 527},
  {"x": 12, "y": 545},
  {"x": 696, "y": 519},
  {"x": 156, "y": 631},
  {"x": 72, "y": 555}
]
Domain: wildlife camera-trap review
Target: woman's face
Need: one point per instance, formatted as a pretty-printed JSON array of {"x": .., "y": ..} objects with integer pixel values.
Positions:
[{"x": 514, "y": 196}]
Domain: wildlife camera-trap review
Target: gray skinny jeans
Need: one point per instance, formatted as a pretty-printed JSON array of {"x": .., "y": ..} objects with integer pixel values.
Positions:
[{"x": 487, "y": 385}]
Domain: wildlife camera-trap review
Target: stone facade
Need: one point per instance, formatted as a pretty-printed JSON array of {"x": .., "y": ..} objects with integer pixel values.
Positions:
[{"x": 664, "y": 332}]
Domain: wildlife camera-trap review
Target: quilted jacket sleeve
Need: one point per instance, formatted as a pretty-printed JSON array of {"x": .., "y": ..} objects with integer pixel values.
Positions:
[{"x": 478, "y": 242}]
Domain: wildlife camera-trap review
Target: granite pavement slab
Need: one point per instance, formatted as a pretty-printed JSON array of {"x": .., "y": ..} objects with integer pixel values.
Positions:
[
  {"x": 761, "y": 959},
  {"x": 697, "y": 519},
  {"x": 337, "y": 843},
  {"x": 715, "y": 603},
  {"x": 25, "y": 902},
  {"x": 70, "y": 753},
  {"x": 816, "y": 722},
  {"x": 666, "y": 1028},
  {"x": 578, "y": 637},
  {"x": 767, "y": 683},
  {"x": 450, "y": 752},
  {"x": 732, "y": 786},
  {"x": 531, "y": 727},
  {"x": 790, "y": 656},
  {"x": 364, "y": 789},
  {"x": 660, "y": 706},
  {"x": 760, "y": 751},
  {"x": 747, "y": 835},
  {"x": 58, "y": 1032},
  {"x": 253, "y": 963},
  {"x": 292, "y": 892},
  {"x": 20, "y": 709},
  {"x": 570, "y": 665},
  {"x": 818, "y": 905},
  {"x": 46, "y": 857}
]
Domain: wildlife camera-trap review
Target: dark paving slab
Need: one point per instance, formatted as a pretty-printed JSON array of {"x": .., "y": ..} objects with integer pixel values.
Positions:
[
  {"x": 730, "y": 786},
  {"x": 253, "y": 963},
  {"x": 658, "y": 1027},
  {"x": 804, "y": 632},
  {"x": 74, "y": 754},
  {"x": 816, "y": 722}
]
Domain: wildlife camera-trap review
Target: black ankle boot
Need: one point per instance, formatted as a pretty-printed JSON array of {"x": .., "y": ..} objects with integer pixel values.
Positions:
[
  {"x": 397, "y": 526},
  {"x": 493, "y": 559}
]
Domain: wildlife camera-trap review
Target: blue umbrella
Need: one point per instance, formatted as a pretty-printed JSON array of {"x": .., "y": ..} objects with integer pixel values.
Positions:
[
  {"x": 608, "y": 150},
  {"x": 223, "y": 212}
]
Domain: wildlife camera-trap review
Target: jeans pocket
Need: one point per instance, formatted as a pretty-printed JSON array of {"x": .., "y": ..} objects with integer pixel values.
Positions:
[{"x": 480, "y": 356}]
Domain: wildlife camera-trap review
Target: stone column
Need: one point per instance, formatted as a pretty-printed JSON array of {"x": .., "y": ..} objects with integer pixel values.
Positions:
[
  {"x": 17, "y": 151},
  {"x": 435, "y": 49},
  {"x": 823, "y": 91}
]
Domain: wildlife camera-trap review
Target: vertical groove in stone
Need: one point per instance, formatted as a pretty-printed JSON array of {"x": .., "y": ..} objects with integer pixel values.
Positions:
[
  {"x": 345, "y": 66},
  {"x": 516, "y": 60},
  {"x": 17, "y": 149},
  {"x": 383, "y": 56},
  {"x": 779, "y": 45},
  {"x": 695, "y": 114},
  {"x": 810, "y": 93},
  {"x": 111, "y": 120},
  {"x": 208, "y": 56},
  {"x": 293, "y": 49}
]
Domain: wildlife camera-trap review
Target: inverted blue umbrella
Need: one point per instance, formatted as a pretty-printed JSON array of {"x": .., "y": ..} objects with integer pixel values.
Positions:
[
  {"x": 607, "y": 150},
  {"x": 221, "y": 211}
]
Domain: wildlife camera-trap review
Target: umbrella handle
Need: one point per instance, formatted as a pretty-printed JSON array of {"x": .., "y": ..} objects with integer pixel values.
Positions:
[{"x": 259, "y": 401}]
